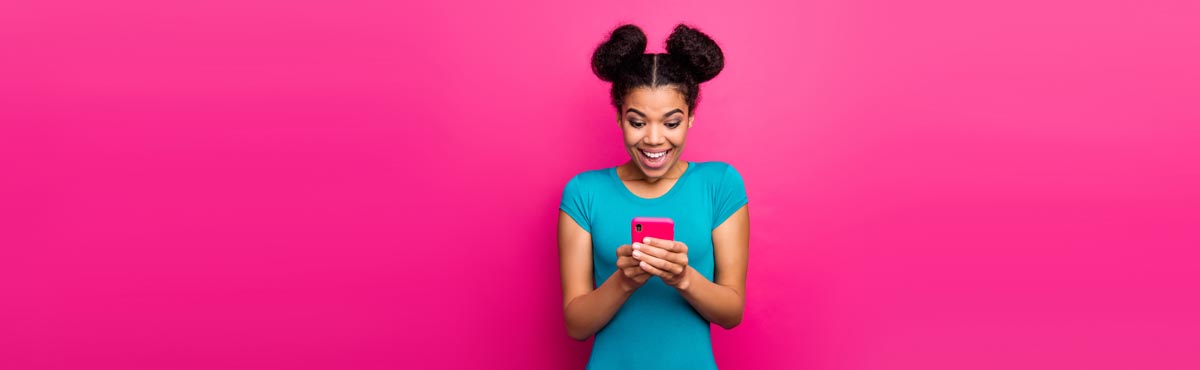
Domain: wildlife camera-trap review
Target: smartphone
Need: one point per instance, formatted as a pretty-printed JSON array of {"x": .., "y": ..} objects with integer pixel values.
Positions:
[{"x": 654, "y": 227}]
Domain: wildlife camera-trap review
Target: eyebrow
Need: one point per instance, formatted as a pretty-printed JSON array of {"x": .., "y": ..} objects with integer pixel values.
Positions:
[{"x": 677, "y": 110}]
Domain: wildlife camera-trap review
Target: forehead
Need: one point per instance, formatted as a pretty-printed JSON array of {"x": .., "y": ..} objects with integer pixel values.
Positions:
[{"x": 655, "y": 101}]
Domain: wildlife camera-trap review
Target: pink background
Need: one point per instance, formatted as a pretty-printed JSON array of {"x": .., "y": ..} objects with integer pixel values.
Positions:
[{"x": 373, "y": 184}]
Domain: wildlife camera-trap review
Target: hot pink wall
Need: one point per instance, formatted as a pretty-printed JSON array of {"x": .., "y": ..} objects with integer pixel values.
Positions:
[{"x": 360, "y": 185}]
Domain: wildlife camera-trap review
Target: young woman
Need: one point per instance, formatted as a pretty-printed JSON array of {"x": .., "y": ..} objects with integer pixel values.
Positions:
[{"x": 649, "y": 302}]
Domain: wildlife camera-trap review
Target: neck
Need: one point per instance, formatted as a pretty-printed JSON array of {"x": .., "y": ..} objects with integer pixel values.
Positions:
[{"x": 634, "y": 173}]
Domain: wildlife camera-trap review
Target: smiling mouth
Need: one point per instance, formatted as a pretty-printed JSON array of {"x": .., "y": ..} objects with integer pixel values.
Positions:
[{"x": 654, "y": 159}]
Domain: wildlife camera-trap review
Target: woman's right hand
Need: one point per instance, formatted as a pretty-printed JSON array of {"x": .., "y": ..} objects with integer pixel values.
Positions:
[{"x": 631, "y": 274}]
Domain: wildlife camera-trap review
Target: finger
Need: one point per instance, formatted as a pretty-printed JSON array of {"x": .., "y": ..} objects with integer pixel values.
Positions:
[
  {"x": 641, "y": 278},
  {"x": 669, "y": 245},
  {"x": 623, "y": 262},
  {"x": 656, "y": 271},
  {"x": 634, "y": 272},
  {"x": 625, "y": 250},
  {"x": 658, "y": 263},
  {"x": 677, "y": 258}
]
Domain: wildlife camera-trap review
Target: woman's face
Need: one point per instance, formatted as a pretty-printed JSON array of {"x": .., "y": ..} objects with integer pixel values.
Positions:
[{"x": 655, "y": 123}]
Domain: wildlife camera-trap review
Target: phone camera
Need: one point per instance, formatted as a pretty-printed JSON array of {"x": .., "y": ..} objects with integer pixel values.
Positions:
[{"x": 639, "y": 228}]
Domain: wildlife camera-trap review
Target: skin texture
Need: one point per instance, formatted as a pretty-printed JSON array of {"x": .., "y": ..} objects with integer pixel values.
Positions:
[{"x": 721, "y": 301}]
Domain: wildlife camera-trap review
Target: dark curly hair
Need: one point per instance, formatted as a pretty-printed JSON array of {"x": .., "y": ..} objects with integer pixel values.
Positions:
[{"x": 691, "y": 58}]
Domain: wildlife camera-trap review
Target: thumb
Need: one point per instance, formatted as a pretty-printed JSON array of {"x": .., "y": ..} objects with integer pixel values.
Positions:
[{"x": 625, "y": 250}]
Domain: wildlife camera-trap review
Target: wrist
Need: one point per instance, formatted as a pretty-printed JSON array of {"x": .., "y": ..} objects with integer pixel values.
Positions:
[
  {"x": 624, "y": 283},
  {"x": 685, "y": 283}
]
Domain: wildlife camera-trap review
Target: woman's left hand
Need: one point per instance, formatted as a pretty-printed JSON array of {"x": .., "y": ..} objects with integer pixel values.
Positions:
[{"x": 666, "y": 259}]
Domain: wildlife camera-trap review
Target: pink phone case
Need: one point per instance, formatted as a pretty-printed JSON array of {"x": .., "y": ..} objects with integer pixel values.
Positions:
[{"x": 654, "y": 227}]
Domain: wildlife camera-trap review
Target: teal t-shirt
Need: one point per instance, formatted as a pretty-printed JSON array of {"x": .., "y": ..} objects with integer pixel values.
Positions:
[{"x": 656, "y": 328}]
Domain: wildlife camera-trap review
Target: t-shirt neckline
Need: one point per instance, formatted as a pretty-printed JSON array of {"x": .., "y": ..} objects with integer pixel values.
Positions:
[{"x": 617, "y": 179}]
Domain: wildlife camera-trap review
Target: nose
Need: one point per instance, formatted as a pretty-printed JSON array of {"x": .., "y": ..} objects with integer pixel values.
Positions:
[{"x": 656, "y": 136}]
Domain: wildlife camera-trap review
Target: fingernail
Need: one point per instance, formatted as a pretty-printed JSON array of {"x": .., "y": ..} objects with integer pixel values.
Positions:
[
  {"x": 637, "y": 246},
  {"x": 646, "y": 240},
  {"x": 637, "y": 253}
]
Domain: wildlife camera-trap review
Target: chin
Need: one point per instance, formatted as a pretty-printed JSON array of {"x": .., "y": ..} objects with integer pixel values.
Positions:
[{"x": 656, "y": 172}]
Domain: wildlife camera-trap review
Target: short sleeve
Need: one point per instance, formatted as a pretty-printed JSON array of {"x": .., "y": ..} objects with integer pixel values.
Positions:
[
  {"x": 574, "y": 203},
  {"x": 730, "y": 196}
]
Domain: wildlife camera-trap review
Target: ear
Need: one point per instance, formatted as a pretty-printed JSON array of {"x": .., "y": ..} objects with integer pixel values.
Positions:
[{"x": 690, "y": 119}]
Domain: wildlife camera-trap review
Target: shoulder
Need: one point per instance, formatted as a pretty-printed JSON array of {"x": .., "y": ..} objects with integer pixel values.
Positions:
[
  {"x": 586, "y": 180},
  {"x": 590, "y": 176},
  {"x": 715, "y": 170},
  {"x": 720, "y": 179}
]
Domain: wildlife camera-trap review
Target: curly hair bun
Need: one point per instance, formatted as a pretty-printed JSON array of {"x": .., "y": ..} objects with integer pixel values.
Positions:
[
  {"x": 696, "y": 50},
  {"x": 627, "y": 43}
]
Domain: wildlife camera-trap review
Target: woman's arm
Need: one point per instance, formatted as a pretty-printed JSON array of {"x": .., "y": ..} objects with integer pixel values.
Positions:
[
  {"x": 720, "y": 302},
  {"x": 724, "y": 301},
  {"x": 587, "y": 310}
]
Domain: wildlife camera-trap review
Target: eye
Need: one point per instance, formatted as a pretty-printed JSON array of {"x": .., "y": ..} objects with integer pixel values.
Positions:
[
  {"x": 672, "y": 124},
  {"x": 637, "y": 124}
]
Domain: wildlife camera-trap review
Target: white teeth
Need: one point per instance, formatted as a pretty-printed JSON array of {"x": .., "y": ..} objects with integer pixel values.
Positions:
[{"x": 654, "y": 155}]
